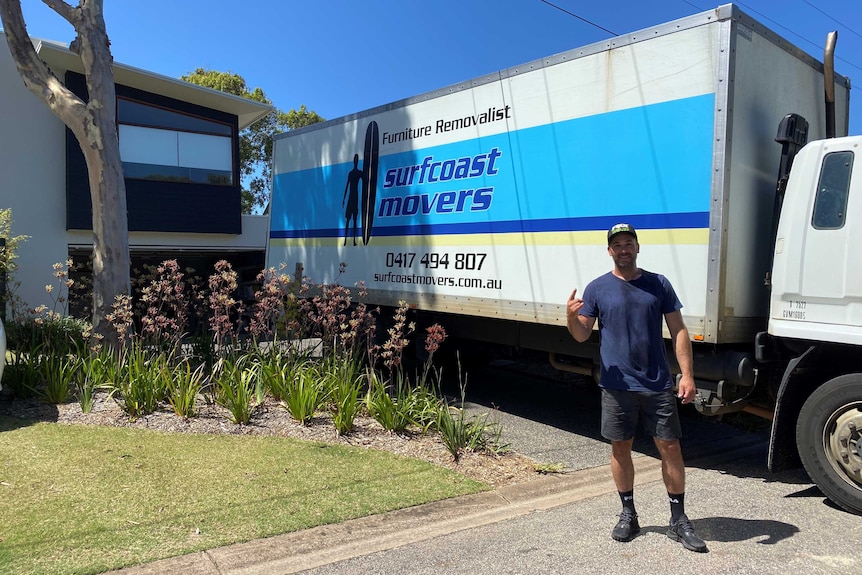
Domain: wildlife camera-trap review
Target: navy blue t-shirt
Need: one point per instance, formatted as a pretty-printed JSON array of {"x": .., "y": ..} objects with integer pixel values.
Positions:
[{"x": 630, "y": 316}]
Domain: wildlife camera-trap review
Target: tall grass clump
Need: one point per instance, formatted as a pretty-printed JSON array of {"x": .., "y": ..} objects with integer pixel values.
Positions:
[
  {"x": 184, "y": 387},
  {"x": 390, "y": 406},
  {"x": 344, "y": 380},
  {"x": 98, "y": 371},
  {"x": 305, "y": 393},
  {"x": 22, "y": 372},
  {"x": 397, "y": 402},
  {"x": 59, "y": 373},
  {"x": 460, "y": 432},
  {"x": 45, "y": 346},
  {"x": 235, "y": 384},
  {"x": 142, "y": 380},
  {"x": 277, "y": 369}
]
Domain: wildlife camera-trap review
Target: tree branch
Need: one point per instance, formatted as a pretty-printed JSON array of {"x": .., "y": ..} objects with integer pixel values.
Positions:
[
  {"x": 38, "y": 78},
  {"x": 70, "y": 14}
]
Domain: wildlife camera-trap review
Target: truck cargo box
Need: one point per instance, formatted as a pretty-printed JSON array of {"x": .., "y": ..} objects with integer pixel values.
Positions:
[{"x": 492, "y": 198}]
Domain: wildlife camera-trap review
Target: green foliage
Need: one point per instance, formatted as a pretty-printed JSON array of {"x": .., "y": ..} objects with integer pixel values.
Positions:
[
  {"x": 21, "y": 374},
  {"x": 278, "y": 369},
  {"x": 184, "y": 387},
  {"x": 255, "y": 142},
  {"x": 52, "y": 333},
  {"x": 392, "y": 409},
  {"x": 344, "y": 379},
  {"x": 295, "y": 119},
  {"x": 235, "y": 384},
  {"x": 142, "y": 380},
  {"x": 59, "y": 373},
  {"x": 305, "y": 393},
  {"x": 9, "y": 254},
  {"x": 459, "y": 433},
  {"x": 203, "y": 350},
  {"x": 96, "y": 371}
]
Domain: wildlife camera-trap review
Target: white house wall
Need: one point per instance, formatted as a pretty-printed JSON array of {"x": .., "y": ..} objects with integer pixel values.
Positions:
[{"x": 33, "y": 182}]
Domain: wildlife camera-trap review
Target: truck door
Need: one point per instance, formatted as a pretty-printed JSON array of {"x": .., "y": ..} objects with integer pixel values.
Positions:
[{"x": 817, "y": 289}]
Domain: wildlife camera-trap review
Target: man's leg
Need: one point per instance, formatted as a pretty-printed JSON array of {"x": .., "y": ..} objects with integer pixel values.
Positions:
[
  {"x": 672, "y": 464},
  {"x": 623, "y": 471},
  {"x": 673, "y": 473},
  {"x": 622, "y": 467}
]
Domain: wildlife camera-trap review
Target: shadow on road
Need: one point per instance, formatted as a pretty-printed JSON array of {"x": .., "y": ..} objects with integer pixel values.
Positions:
[
  {"x": 566, "y": 403},
  {"x": 735, "y": 530}
]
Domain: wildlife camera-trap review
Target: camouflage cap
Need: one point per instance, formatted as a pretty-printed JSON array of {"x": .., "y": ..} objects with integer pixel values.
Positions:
[{"x": 621, "y": 229}]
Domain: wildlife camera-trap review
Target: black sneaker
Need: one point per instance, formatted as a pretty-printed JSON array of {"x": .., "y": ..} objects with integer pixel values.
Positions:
[
  {"x": 627, "y": 527},
  {"x": 683, "y": 532}
]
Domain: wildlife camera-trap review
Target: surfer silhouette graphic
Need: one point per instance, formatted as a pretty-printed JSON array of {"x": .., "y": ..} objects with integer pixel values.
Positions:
[{"x": 351, "y": 197}]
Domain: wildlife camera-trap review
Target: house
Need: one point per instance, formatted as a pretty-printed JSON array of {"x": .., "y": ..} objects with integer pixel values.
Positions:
[{"x": 179, "y": 146}]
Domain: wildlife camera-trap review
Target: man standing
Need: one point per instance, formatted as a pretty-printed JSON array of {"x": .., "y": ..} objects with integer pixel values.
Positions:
[{"x": 636, "y": 382}]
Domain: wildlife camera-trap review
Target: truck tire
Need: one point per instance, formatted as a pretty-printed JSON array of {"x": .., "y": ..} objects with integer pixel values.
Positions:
[{"x": 829, "y": 439}]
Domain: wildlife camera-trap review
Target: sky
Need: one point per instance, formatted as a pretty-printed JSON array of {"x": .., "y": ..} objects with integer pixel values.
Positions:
[{"x": 338, "y": 57}]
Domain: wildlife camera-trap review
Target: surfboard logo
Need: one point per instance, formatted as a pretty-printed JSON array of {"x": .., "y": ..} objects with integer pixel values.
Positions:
[
  {"x": 370, "y": 163},
  {"x": 360, "y": 191}
]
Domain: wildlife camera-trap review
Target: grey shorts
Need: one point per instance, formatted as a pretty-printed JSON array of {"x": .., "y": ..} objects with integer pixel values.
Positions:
[{"x": 655, "y": 411}]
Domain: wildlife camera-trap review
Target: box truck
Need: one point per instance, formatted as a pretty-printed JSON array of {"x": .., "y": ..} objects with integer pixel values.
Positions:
[{"x": 485, "y": 203}]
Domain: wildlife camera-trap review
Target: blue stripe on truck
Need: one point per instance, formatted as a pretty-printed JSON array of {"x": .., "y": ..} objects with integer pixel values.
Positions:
[{"x": 650, "y": 166}]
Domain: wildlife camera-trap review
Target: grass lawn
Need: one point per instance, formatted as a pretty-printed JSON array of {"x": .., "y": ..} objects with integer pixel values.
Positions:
[{"x": 87, "y": 499}]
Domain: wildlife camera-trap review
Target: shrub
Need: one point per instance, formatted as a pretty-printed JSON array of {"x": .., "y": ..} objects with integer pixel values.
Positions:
[
  {"x": 54, "y": 334},
  {"x": 305, "y": 393},
  {"x": 393, "y": 411},
  {"x": 58, "y": 375},
  {"x": 458, "y": 432},
  {"x": 21, "y": 374},
  {"x": 141, "y": 381},
  {"x": 344, "y": 381},
  {"x": 235, "y": 385},
  {"x": 96, "y": 371},
  {"x": 184, "y": 387}
]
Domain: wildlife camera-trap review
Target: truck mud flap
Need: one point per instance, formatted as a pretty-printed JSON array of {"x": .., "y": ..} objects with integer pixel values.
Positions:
[{"x": 788, "y": 403}]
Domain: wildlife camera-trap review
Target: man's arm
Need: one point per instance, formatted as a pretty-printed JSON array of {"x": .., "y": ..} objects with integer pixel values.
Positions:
[
  {"x": 580, "y": 326},
  {"x": 682, "y": 350}
]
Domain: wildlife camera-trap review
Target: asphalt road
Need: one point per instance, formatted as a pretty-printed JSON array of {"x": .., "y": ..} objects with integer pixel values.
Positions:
[
  {"x": 555, "y": 418},
  {"x": 753, "y": 522}
]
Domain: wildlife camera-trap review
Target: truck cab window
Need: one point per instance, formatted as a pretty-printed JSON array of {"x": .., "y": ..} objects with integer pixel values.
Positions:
[{"x": 830, "y": 205}]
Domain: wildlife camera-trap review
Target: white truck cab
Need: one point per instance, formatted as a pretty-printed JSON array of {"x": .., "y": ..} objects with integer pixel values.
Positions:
[{"x": 816, "y": 274}]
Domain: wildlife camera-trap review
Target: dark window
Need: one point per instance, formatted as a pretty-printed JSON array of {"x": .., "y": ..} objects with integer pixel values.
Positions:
[
  {"x": 830, "y": 205},
  {"x": 135, "y": 113}
]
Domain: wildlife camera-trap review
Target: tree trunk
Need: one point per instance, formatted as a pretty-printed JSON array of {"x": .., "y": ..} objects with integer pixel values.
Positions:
[{"x": 94, "y": 124}]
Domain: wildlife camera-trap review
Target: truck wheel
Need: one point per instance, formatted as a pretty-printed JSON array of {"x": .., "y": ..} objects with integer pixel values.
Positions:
[{"x": 829, "y": 439}]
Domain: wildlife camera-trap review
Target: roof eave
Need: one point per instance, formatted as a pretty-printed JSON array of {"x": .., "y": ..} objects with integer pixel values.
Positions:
[{"x": 58, "y": 58}]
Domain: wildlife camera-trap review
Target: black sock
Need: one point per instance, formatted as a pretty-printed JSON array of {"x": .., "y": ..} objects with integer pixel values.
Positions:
[
  {"x": 677, "y": 505},
  {"x": 628, "y": 499}
]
